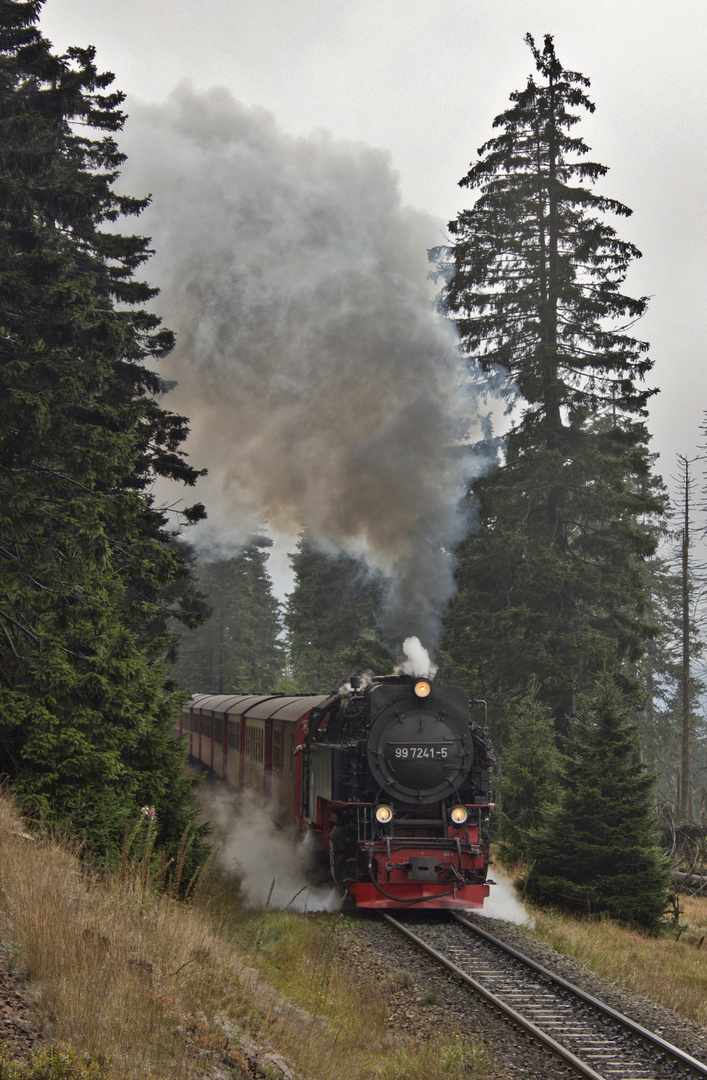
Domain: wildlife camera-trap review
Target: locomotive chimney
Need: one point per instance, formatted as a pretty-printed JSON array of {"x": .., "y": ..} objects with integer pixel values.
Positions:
[{"x": 355, "y": 682}]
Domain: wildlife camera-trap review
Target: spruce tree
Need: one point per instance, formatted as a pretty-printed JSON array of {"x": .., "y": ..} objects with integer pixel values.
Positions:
[
  {"x": 238, "y": 649},
  {"x": 331, "y": 620},
  {"x": 529, "y": 785},
  {"x": 597, "y": 850},
  {"x": 87, "y": 560},
  {"x": 551, "y": 585}
]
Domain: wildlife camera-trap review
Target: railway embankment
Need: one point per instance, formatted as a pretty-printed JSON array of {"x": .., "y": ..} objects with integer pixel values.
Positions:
[
  {"x": 144, "y": 986},
  {"x": 668, "y": 971},
  {"x": 138, "y": 985},
  {"x": 379, "y": 944}
]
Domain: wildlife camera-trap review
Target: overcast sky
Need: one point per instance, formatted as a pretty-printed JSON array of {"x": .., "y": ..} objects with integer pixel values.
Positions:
[{"x": 423, "y": 79}]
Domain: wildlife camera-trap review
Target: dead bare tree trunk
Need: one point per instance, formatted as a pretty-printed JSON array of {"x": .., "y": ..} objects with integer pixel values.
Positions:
[{"x": 686, "y": 797}]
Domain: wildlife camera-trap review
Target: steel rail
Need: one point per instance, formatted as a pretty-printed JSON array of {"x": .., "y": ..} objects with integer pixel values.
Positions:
[
  {"x": 546, "y": 1040},
  {"x": 649, "y": 1036}
]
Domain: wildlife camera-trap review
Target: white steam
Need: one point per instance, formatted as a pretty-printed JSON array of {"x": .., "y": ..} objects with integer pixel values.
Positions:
[
  {"x": 256, "y": 852},
  {"x": 503, "y": 902},
  {"x": 324, "y": 390},
  {"x": 418, "y": 660}
]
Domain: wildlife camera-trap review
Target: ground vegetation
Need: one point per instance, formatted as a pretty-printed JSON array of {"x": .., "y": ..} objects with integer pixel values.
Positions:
[
  {"x": 667, "y": 968},
  {"x": 160, "y": 988}
]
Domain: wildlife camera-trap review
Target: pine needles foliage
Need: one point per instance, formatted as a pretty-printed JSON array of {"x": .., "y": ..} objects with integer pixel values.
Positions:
[
  {"x": 552, "y": 583},
  {"x": 89, "y": 575},
  {"x": 239, "y": 648},
  {"x": 530, "y": 783},
  {"x": 597, "y": 849},
  {"x": 332, "y": 619}
]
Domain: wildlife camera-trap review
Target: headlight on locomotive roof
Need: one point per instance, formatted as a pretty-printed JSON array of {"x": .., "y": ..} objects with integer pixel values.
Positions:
[
  {"x": 422, "y": 688},
  {"x": 384, "y": 814},
  {"x": 459, "y": 815}
]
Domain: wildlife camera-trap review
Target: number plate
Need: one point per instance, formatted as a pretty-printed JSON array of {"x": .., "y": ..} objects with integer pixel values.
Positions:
[{"x": 420, "y": 750}]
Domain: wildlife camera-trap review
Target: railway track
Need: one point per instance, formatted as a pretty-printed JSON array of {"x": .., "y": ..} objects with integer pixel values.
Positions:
[{"x": 590, "y": 1037}]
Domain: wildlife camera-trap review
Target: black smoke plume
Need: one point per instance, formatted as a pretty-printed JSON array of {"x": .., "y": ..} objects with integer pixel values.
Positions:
[{"x": 324, "y": 389}]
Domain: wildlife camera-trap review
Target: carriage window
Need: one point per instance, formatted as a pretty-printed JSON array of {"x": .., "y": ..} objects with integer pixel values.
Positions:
[
  {"x": 218, "y": 730},
  {"x": 254, "y": 744},
  {"x": 195, "y": 723},
  {"x": 232, "y": 735},
  {"x": 206, "y": 726},
  {"x": 291, "y": 754}
]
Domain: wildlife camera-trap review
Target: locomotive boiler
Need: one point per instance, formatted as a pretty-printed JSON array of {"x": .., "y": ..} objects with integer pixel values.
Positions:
[{"x": 394, "y": 778}]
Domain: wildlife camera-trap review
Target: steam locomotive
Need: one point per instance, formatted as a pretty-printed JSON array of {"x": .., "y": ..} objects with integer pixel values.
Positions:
[{"x": 393, "y": 777}]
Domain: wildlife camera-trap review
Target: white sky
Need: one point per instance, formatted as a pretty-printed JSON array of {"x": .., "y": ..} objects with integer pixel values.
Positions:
[{"x": 424, "y": 79}]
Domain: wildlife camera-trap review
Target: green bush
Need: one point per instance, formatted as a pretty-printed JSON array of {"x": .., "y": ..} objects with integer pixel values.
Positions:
[{"x": 58, "y": 1062}]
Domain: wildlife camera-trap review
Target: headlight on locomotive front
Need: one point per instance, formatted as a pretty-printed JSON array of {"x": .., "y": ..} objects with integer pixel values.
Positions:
[
  {"x": 384, "y": 814},
  {"x": 422, "y": 688},
  {"x": 459, "y": 815}
]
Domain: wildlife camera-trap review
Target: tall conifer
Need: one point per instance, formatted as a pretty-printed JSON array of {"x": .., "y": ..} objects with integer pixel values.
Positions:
[
  {"x": 86, "y": 559},
  {"x": 551, "y": 586},
  {"x": 238, "y": 649},
  {"x": 331, "y": 620}
]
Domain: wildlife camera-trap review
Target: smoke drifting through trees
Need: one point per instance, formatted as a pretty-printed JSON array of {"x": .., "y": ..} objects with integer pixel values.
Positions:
[{"x": 324, "y": 390}]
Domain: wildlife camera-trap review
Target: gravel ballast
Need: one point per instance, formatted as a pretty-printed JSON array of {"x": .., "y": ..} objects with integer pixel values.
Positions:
[
  {"x": 427, "y": 1000},
  {"x": 675, "y": 1029}
]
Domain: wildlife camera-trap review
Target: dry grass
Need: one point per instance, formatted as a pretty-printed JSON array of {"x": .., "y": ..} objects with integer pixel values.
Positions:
[
  {"x": 163, "y": 990},
  {"x": 670, "y": 969},
  {"x": 346, "y": 1032},
  {"x": 104, "y": 955}
]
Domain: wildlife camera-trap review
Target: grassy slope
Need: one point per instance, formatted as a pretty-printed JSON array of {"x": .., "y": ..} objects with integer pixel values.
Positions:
[{"x": 165, "y": 990}]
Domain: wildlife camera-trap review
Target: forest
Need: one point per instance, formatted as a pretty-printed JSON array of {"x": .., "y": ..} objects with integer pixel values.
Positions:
[{"x": 578, "y": 586}]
